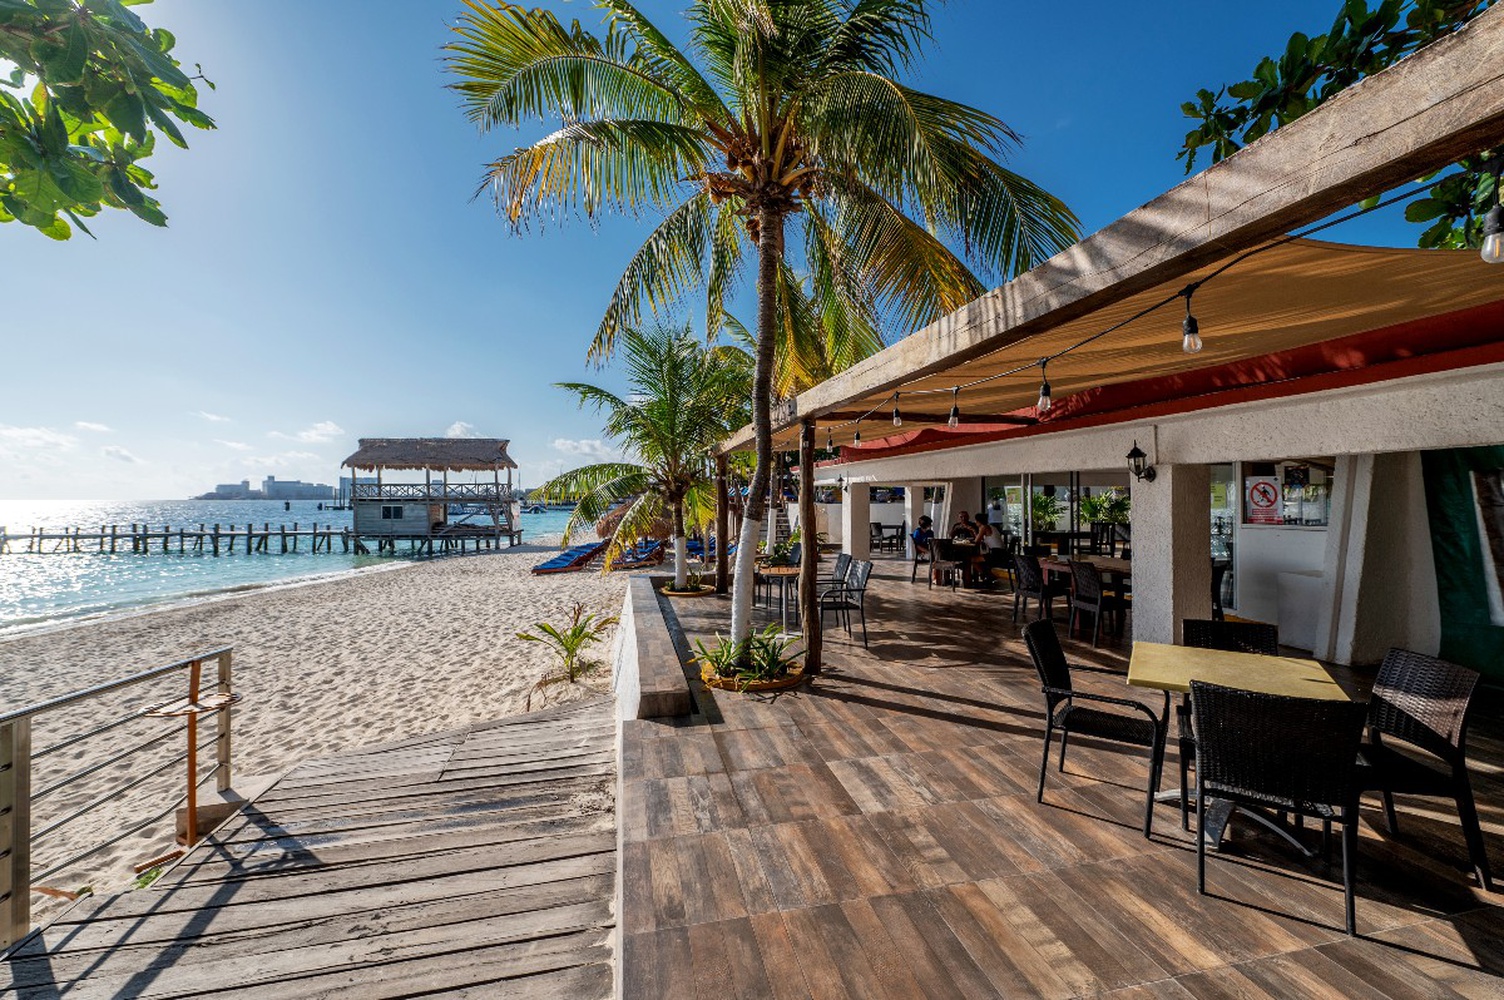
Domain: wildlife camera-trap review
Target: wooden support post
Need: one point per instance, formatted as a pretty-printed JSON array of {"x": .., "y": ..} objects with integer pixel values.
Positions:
[
  {"x": 809, "y": 565},
  {"x": 166, "y": 532},
  {"x": 216, "y": 539},
  {"x": 295, "y": 536},
  {"x": 722, "y": 519},
  {"x": 195, "y": 671},
  {"x": 282, "y": 529},
  {"x": 15, "y": 831},
  {"x": 114, "y": 531},
  {"x": 222, "y": 718}
]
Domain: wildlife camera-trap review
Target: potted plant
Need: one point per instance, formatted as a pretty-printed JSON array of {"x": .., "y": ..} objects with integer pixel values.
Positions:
[{"x": 762, "y": 663}]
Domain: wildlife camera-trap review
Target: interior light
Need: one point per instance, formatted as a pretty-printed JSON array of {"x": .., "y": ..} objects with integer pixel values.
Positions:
[
  {"x": 1190, "y": 340},
  {"x": 1493, "y": 233},
  {"x": 955, "y": 409},
  {"x": 1044, "y": 403},
  {"x": 897, "y": 417}
]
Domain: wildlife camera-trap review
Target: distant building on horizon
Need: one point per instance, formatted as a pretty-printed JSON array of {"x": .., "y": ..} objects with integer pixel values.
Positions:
[{"x": 271, "y": 489}]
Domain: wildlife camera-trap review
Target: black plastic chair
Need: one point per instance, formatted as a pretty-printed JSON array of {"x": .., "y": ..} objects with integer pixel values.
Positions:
[
  {"x": 1033, "y": 584},
  {"x": 1296, "y": 755},
  {"x": 848, "y": 597},
  {"x": 1234, "y": 637},
  {"x": 837, "y": 574},
  {"x": 1426, "y": 703},
  {"x": 1063, "y": 711},
  {"x": 922, "y": 555},
  {"x": 1090, "y": 596}
]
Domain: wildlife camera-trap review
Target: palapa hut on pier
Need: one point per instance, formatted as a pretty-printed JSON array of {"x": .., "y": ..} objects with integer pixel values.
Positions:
[{"x": 430, "y": 511}]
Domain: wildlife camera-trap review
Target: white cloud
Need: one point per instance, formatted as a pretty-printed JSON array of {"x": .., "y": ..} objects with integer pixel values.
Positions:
[
  {"x": 34, "y": 437},
  {"x": 118, "y": 453},
  {"x": 586, "y": 447},
  {"x": 213, "y": 418},
  {"x": 460, "y": 429},
  {"x": 320, "y": 433},
  {"x": 233, "y": 445},
  {"x": 284, "y": 459},
  {"x": 89, "y": 425}
]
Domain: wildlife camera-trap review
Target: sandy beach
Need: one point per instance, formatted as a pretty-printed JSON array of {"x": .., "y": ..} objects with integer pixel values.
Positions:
[{"x": 323, "y": 668}]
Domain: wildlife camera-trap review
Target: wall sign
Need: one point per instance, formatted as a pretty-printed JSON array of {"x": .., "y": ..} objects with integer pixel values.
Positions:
[{"x": 1262, "y": 499}]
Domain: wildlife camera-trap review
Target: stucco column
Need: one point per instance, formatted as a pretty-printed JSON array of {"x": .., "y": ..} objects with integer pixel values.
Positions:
[
  {"x": 1172, "y": 551},
  {"x": 856, "y": 521},
  {"x": 913, "y": 510}
]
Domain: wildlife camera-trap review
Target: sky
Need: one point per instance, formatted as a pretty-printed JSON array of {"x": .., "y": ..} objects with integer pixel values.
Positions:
[{"x": 327, "y": 275}]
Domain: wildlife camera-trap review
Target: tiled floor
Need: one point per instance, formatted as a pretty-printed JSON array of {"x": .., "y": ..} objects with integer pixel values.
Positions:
[{"x": 875, "y": 834}]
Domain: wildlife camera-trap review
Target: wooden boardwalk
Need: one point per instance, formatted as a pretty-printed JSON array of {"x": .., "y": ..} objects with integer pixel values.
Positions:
[
  {"x": 876, "y": 835},
  {"x": 473, "y": 863}
]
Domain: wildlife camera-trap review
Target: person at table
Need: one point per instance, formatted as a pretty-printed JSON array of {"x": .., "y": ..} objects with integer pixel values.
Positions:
[
  {"x": 921, "y": 535},
  {"x": 964, "y": 530}
]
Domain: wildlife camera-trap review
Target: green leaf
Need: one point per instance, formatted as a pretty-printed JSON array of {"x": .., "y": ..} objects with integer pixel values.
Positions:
[
  {"x": 1246, "y": 91},
  {"x": 1424, "y": 210},
  {"x": 68, "y": 67},
  {"x": 127, "y": 112}
]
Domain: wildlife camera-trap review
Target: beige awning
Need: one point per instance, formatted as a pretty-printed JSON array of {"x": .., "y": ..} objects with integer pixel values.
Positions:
[{"x": 1292, "y": 295}]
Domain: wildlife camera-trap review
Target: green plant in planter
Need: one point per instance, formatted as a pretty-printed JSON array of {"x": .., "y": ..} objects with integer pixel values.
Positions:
[
  {"x": 766, "y": 658},
  {"x": 1046, "y": 510},
  {"x": 569, "y": 645}
]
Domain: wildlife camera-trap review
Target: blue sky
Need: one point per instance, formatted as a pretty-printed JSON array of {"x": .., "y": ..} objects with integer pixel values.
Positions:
[{"x": 326, "y": 275}]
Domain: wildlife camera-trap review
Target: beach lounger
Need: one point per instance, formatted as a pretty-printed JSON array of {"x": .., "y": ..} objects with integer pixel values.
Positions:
[
  {"x": 572, "y": 558},
  {"x": 643, "y": 555}
]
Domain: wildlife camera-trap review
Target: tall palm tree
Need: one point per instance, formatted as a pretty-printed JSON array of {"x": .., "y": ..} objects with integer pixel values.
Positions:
[
  {"x": 684, "y": 399},
  {"x": 773, "y": 111}
]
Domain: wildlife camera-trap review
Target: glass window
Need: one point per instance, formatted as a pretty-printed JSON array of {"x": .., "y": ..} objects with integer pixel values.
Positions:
[{"x": 1293, "y": 493}]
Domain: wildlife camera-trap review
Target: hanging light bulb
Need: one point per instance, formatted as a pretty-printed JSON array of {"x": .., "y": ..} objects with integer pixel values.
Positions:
[
  {"x": 1493, "y": 234},
  {"x": 897, "y": 417},
  {"x": 1493, "y": 223},
  {"x": 830, "y": 440},
  {"x": 955, "y": 409},
  {"x": 857, "y": 438},
  {"x": 1190, "y": 340},
  {"x": 1044, "y": 404}
]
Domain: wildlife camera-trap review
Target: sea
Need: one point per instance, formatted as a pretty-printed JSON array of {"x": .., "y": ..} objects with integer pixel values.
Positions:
[{"x": 41, "y": 590}]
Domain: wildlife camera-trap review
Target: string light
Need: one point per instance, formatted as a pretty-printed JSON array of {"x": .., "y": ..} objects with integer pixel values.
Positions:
[
  {"x": 955, "y": 408},
  {"x": 1190, "y": 340},
  {"x": 1493, "y": 226},
  {"x": 830, "y": 440}
]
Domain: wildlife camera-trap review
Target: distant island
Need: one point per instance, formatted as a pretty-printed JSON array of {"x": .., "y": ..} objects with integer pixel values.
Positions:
[{"x": 271, "y": 489}]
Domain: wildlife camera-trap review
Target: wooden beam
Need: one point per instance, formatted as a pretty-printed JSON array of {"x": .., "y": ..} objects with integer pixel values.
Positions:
[
  {"x": 1422, "y": 114},
  {"x": 879, "y": 419}
]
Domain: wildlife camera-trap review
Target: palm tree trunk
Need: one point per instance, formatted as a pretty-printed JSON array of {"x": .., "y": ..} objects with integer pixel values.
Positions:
[
  {"x": 681, "y": 547},
  {"x": 769, "y": 259}
]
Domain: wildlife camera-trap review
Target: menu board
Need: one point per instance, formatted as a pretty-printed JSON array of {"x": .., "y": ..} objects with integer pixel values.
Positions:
[{"x": 1262, "y": 500}]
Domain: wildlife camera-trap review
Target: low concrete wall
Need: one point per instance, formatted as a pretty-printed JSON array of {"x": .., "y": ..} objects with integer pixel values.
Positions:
[{"x": 646, "y": 675}]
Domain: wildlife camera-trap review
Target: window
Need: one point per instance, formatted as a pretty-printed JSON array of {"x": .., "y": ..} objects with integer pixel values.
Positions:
[
  {"x": 391, "y": 512},
  {"x": 1292, "y": 493}
]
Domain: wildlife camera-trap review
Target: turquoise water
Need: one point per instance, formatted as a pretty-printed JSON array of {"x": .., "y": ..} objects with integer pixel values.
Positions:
[{"x": 41, "y": 589}]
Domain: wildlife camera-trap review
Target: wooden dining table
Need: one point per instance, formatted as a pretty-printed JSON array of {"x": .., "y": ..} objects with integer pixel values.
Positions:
[
  {"x": 1108, "y": 565},
  {"x": 1164, "y": 667}
]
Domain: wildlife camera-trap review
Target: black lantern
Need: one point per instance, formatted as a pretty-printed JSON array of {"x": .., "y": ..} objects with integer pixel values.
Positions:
[{"x": 1138, "y": 464}]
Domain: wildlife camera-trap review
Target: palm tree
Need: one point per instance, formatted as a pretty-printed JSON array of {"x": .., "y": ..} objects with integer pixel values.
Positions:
[
  {"x": 774, "y": 111},
  {"x": 684, "y": 399}
]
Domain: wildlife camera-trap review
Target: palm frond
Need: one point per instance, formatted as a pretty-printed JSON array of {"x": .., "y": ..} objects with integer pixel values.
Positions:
[
  {"x": 623, "y": 165},
  {"x": 665, "y": 62},
  {"x": 643, "y": 512},
  {"x": 666, "y": 266},
  {"x": 517, "y": 64}
]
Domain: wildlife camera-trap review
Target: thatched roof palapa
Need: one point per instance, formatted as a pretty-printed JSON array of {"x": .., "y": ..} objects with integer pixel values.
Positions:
[{"x": 456, "y": 454}]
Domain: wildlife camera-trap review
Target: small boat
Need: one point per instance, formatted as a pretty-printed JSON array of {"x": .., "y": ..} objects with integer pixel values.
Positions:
[{"x": 536, "y": 508}]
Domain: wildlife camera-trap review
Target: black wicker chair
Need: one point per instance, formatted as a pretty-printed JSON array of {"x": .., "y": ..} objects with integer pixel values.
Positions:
[
  {"x": 1033, "y": 584},
  {"x": 922, "y": 555},
  {"x": 1138, "y": 726},
  {"x": 1203, "y": 633},
  {"x": 1425, "y": 702},
  {"x": 1219, "y": 573},
  {"x": 1091, "y": 597},
  {"x": 1296, "y": 755},
  {"x": 848, "y": 597}
]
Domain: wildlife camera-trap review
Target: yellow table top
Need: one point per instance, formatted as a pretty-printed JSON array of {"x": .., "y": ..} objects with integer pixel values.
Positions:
[{"x": 1172, "y": 668}]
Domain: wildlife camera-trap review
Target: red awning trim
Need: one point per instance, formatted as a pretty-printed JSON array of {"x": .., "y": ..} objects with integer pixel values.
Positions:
[{"x": 1450, "y": 341}]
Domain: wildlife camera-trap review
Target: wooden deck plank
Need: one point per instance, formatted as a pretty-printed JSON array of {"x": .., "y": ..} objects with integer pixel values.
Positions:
[{"x": 380, "y": 876}]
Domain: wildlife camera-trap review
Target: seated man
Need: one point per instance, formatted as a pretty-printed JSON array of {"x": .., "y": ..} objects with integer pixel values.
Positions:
[
  {"x": 921, "y": 535},
  {"x": 964, "y": 530}
]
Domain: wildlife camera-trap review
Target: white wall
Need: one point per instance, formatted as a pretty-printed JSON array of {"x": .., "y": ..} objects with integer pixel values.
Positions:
[{"x": 1263, "y": 552}]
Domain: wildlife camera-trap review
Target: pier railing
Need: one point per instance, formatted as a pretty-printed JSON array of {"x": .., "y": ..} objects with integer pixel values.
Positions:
[
  {"x": 18, "y": 759},
  {"x": 433, "y": 492}
]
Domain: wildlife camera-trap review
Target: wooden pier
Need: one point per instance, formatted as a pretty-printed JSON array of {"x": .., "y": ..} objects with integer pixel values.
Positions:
[{"x": 218, "y": 539}]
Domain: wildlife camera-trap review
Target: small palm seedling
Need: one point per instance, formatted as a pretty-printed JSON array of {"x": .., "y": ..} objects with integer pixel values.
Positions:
[{"x": 569, "y": 645}]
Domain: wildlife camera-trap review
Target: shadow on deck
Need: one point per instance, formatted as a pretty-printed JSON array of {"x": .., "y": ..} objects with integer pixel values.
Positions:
[
  {"x": 475, "y": 862},
  {"x": 875, "y": 834}
]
